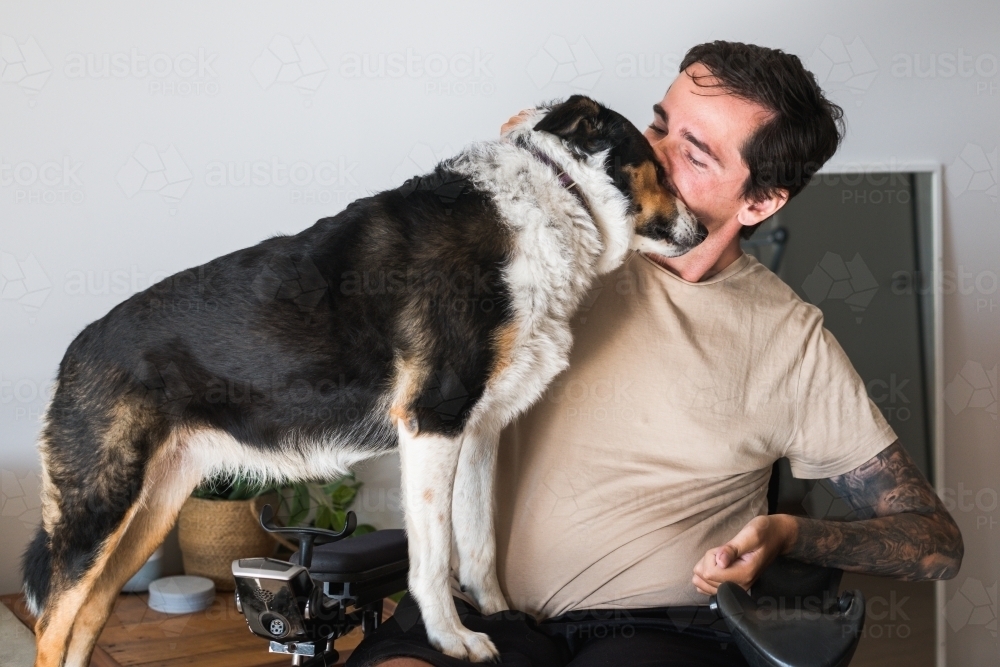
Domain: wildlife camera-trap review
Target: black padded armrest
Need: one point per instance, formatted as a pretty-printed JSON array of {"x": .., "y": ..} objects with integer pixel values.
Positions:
[
  {"x": 776, "y": 638},
  {"x": 794, "y": 617},
  {"x": 366, "y": 554}
]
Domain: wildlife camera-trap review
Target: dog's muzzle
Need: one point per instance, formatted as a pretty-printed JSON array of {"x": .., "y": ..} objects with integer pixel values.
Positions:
[
  {"x": 687, "y": 231},
  {"x": 671, "y": 236}
]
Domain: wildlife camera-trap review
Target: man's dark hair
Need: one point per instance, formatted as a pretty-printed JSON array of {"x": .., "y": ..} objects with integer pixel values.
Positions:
[{"x": 805, "y": 127}]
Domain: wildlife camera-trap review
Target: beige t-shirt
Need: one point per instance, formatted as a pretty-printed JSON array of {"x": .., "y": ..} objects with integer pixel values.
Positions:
[{"x": 656, "y": 444}]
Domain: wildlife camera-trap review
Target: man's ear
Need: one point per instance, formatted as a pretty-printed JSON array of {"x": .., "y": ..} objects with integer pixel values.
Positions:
[
  {"x": 577, "y": 120},
  {"x": 756, "y": 212}
]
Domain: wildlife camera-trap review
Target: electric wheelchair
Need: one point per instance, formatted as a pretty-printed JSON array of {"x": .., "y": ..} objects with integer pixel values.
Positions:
[{"x": 792, "y": 616}]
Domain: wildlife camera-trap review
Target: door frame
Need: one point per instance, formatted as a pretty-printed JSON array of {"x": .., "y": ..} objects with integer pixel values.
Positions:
[{"x": 935, "y": 171}]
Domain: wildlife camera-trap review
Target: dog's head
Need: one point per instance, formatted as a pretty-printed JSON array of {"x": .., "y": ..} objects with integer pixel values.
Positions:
[{"x": 662, "y": 224}]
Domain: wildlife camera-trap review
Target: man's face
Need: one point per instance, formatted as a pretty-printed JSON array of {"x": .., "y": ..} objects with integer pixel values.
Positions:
[{"x": 697, "y": 133}]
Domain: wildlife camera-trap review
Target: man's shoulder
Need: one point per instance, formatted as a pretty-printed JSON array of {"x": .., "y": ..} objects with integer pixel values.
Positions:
[
  {"x": 755, "y": 292},
  {"x": 746, "y": 293}
]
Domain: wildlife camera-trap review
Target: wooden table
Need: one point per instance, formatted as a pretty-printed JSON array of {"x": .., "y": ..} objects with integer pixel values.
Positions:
[{"x": 217, "y": 637}]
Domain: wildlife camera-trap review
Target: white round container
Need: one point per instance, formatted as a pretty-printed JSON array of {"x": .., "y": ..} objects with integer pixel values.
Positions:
[
  {"x": 153, "y": 569},
  {"x": 181, "y": 595}
]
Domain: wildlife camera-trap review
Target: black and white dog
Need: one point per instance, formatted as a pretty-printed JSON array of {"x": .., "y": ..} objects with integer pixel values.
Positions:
[{"x": 425, "y": 317}]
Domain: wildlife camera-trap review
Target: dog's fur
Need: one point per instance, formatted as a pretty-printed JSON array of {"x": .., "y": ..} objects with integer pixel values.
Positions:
[{"x": 426, "y": 317}]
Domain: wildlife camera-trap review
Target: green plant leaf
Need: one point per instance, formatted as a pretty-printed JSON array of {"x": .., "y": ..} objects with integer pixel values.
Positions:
[
  {"x": 300, "y": 505},
  {"x": 324, "y": 518},
  {"x": 238, "y": 489},
  {"x": 330, "y": 487},
  {"x": 319, "y": 496},
  {"x": 344, "y": 496}
]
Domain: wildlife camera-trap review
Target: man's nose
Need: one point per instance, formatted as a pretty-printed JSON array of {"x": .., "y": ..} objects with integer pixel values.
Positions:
[
  {"x": 660, "y": 150},
  {"x": 662, "y": 157}
]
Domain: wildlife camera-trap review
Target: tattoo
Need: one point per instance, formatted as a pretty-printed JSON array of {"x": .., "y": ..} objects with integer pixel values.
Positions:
[{"x": 901, "y": 529}]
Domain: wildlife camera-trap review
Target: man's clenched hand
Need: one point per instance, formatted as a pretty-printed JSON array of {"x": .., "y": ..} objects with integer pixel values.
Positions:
[{"x": 743, "y": 558}]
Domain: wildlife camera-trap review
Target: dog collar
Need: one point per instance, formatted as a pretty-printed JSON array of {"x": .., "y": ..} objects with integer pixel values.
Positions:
[{"x": 565, "y": 179}]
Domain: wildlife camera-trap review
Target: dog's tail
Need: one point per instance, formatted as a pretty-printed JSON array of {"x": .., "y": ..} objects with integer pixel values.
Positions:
[{"x": 37, "y": 568}]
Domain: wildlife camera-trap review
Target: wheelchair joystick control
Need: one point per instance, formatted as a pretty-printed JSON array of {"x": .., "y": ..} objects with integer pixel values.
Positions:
[
  {"x": 307, "y": 536},
  {"x": 322, "y": 592},
  {"x": 284, "y": 604}
]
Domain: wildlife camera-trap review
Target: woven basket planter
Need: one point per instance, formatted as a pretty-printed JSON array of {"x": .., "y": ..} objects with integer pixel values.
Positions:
[{"x": 214, "y": 533}]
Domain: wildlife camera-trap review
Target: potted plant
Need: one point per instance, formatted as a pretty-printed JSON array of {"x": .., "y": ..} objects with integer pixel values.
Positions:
[{"x": 218, "y": 524}]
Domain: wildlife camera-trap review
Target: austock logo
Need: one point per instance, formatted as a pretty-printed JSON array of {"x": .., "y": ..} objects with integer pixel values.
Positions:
[
  {"x": 973, "y": 604},
  {"x": 325, "y": 182},
  {"x": 851, "y": 282},
  {"x": 823, "y": 502},
  {"x": 445, "y": 394},
  {"x": 23, "y": 64},
  {"x": 974, "y": 387},
  {"x": 23, "y": 281},
  {"x": 295, "y": 279},
  {"x": 890, "y": 398},
  {"x": 298, "y": 64},
  {"x": 558, "y": 61},
  {"x": 461, "y": 73},
  {"x": 840, "y": 66},
  {"x": 24, "y": 398},
  {"x": 20, "y": 497},
  {"x": 589, "y": 299},
  {"x": 55, "y": 181},
  {"x": 165, "y": 387},
  {"x": 134, "y": 614},
  {"x": 647, "y": 65},
  {"x": 149, "y": 170},
  {"x": 183, "y": 74},
  {"x": 974, "y": 170},
  {"x": 420, "y": 160},
  {"x": 944, "y": 65}
]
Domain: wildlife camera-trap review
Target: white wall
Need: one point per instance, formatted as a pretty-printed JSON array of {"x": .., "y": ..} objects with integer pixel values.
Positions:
[{"x": 345, "y": 133}]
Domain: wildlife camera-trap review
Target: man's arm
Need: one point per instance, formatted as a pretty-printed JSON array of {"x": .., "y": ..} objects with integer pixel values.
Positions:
[{"x": 902, "y": 530}]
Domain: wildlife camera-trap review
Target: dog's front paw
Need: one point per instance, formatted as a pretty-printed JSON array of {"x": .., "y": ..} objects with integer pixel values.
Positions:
[{"x": 464, "y": 644}]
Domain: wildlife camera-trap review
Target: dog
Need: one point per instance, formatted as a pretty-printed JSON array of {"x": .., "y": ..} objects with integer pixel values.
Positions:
[{"x": 425, "y": 318}]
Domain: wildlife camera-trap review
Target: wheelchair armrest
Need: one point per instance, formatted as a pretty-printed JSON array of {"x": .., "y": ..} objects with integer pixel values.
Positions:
[
  {"x": 793, "y": 617},
  {"x": 361, "y": 558},
  {"x": 361, "y": 570}
]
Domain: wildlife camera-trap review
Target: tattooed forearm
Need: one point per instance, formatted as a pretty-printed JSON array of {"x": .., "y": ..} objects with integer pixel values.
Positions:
[
  {"x": 902, "y": 529},
  {"x": 906, "y": 546}
]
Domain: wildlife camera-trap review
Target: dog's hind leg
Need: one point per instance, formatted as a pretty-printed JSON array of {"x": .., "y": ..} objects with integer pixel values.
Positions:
[
  {"x": 168, "y": 483},
  {"x": 428, "y": 463},
  {"x": 472, "y": 514},
  {"x": 96, "y": 455},
  {"x": 68, "y": 594}
]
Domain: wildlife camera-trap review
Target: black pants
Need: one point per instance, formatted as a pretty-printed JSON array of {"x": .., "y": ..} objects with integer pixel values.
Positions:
[{"x": 581, "y": 639}]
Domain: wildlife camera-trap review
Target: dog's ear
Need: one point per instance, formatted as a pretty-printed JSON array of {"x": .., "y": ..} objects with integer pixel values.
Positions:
[{"x": 577, "y": 121}]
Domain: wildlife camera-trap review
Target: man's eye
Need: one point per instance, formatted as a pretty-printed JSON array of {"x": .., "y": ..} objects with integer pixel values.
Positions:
[
  {"x": 656, "y": 129},
  {"x": 694, "y": 162}
]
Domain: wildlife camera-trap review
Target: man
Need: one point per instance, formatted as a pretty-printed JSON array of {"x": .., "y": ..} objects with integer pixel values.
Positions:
[{"x": 640, "y": 479}]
